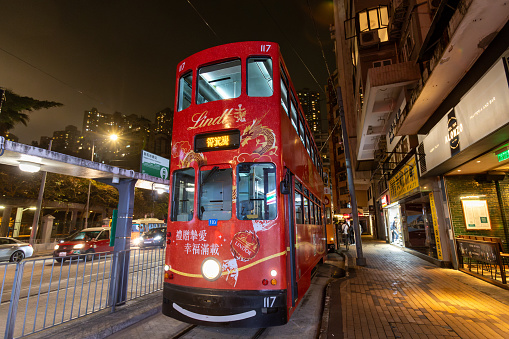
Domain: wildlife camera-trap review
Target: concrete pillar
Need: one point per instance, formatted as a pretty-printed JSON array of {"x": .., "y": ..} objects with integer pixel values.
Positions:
[
  {"x": 118, "y": 285},
  {"x": 74, "y": 217},
  {"x": 47, "y": 227},
  {"x": 6, "y": 218},
  {"x": 17, "y": 222}
]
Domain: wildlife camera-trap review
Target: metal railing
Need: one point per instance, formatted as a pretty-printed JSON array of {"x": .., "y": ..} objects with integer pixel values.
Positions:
[{"x": 42, "y": 293}]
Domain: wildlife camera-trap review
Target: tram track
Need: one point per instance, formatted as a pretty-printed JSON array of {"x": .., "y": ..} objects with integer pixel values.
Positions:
[{"x": 187, "y": 331}]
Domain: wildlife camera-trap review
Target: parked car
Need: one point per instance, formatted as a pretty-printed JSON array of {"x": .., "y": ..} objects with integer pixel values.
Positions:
[
  {"x": 153, "y": 237},
  {"x": 84, "y": 243},
  {"x": 14, "y": 250}
]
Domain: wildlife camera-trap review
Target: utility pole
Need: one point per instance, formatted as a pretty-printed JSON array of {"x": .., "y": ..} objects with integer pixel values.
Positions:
[{"x": 361, "y": 261}]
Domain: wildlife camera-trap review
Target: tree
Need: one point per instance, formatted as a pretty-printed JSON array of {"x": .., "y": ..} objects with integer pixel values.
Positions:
[{"x": 15, "y": 107}]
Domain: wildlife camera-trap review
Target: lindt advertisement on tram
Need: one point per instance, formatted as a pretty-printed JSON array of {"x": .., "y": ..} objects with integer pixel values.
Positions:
[{"x": 246, "y": 223}]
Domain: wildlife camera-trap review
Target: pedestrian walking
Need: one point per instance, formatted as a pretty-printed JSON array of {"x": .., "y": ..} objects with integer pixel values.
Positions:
[{"x": 345, "y": 229}]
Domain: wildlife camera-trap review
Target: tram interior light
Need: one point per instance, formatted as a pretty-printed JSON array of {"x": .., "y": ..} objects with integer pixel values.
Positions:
[
  {"x": 211, "y": 269},
  {"x": 78, "y": 246}
]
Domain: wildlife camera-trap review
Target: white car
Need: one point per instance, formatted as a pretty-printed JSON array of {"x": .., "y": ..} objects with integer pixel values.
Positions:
[{"x": 14, "y": 250}]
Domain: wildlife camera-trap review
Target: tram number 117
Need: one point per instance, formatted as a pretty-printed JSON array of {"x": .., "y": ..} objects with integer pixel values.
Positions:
[
  {"x": 265, "y": 48},
  {"x": 269, "y": 301}
]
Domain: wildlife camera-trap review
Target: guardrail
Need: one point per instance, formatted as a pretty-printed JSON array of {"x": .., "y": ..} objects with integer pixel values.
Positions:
[{"x": 42, "y": 293}]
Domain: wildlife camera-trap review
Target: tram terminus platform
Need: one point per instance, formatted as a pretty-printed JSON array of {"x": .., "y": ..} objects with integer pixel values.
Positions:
[{"x": 396, "y": 295}]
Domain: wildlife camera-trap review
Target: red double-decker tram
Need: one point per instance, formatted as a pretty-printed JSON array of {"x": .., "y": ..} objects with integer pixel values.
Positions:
[{"x": 246, "y": 221}]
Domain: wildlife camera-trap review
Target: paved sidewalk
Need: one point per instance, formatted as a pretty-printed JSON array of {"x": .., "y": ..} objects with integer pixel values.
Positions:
[{"x": 398, "y": 295}]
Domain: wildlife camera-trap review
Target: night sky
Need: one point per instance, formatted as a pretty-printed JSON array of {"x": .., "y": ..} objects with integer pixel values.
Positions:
[{"x": 122, "y": 55}]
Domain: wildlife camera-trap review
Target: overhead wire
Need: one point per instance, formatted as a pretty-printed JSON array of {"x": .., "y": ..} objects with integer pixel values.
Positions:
[
  {"x": 51, "y": 76},
  {"x": 292, "y": 47},
  {"x": 203, "y": 19},
  {"x": 328, "y": 71}
]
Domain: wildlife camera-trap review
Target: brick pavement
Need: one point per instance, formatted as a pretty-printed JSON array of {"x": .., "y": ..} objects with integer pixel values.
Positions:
[{"x": 398, "y": 295}]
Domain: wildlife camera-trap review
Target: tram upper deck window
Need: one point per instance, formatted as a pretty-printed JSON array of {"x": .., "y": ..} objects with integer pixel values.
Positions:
[
  {"x": 219, "y": 82},
  {"x": 183, "y": 195},
  {"x": 259, "y": 77},
  {"x": 256, "y": 191},
  {"x": 294, "y": 113},
  {"x": 284, "y": 91},
  {"x": 185, "y": 90},
  {"x": 215, "y": 195}
]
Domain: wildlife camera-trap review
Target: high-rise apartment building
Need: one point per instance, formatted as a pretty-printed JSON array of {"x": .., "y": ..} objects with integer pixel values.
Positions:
[
  {"x": 310, "y": 102},
  {"x": 68, "y": 141}
]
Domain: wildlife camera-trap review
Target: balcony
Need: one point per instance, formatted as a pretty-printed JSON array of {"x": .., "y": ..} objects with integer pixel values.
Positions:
[
  {"x": 385, "y": 91},
  {"x": 452, "y": 46}
]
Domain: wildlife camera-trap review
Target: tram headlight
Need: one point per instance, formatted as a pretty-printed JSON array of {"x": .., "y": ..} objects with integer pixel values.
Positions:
[
  {"x": 78, "y": 246},
  {"x": 211, "y": 269},
  {"x": 56, "y": 247},
  {"x": 273, "y": 273},
  {"x": 166, "y": 268}
]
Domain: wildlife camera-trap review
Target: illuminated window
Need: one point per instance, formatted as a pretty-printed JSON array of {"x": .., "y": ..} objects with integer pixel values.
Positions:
[
  {"x": 219, "y": 82},
  {"x": 183, "y": 195},
  {"x": 185, "y": 90},
  {"x": 215, "y": 193},
  {"x": 256, "y": 191},
  {"x": 259, "y": 77}
]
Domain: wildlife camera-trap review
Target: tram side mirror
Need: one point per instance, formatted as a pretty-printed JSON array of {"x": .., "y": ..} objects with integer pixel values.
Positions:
[{"x": 284, "y": 187}]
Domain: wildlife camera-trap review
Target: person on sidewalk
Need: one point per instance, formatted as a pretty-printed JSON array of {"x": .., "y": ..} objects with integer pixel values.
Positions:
[
  {"x": 351, "y": 235},
  {"x": 345, "y": 229}
]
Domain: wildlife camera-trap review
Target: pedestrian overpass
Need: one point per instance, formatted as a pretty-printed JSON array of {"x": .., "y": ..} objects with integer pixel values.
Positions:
[{"x": 35, "y": 158}]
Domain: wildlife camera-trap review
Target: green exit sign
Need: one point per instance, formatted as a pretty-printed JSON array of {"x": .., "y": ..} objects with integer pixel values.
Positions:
[{"x": 503, "y": 156}]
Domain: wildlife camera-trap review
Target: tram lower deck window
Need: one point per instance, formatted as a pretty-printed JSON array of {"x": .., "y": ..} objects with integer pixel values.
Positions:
[
  {"x": 215, "y": 193},
  {"x": 256, "y": 191},
  {"x": 183, "y": 195}
]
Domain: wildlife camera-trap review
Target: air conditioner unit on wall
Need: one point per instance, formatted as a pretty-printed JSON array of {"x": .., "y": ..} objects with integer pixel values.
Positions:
[{"x": 369, "y": 38}]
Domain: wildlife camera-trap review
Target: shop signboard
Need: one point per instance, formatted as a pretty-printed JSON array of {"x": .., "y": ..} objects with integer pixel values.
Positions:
[
  {"x": 435, "y": 226},
  {"x": 476, "y": 214},
  {"x": 405, "y": 181},
  {"x": 482, "y": 110},
  {"x": 154, "y": 165}
]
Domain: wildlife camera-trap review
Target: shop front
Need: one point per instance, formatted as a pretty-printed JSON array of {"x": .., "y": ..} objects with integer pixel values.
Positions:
[
  {"x": 468, "y": 149},
  {"x": 408, "y": 212}
]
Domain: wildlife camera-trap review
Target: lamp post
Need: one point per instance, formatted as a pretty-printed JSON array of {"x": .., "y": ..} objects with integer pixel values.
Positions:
[{"x": 112, "y": 137}]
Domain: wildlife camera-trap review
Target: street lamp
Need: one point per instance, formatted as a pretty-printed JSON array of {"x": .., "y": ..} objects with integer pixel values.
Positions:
[{"x": 112, "y": 137}]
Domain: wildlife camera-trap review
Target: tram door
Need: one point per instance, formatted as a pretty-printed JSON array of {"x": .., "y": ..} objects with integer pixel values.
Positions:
[{"x": 288, "y": 189}]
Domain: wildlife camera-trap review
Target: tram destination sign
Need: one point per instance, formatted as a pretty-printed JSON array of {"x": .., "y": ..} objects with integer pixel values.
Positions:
[{"x": 217, "y": 141}]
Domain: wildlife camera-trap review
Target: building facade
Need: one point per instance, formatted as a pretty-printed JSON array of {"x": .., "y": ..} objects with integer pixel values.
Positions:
[{"x": 425, "y": 92}]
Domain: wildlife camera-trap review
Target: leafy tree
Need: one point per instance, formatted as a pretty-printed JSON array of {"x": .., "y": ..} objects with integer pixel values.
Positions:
[{"x": 14, "y": 110}]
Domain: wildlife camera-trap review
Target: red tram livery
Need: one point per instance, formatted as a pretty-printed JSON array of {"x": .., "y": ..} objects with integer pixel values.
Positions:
[{"x": 246, "y": 221}]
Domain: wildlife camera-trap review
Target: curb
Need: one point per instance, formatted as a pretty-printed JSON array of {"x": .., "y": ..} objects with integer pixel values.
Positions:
[
  {"x": 104, "y": 323},
  {"x": 324, "y": 327}
]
